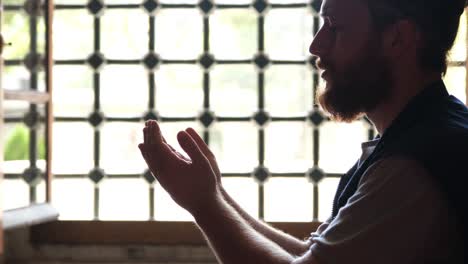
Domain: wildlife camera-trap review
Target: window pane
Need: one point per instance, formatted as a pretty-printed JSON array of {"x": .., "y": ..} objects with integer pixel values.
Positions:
[
  {"x": 73, "y": 34},
  {"x": 233, "y": 33},
  {"x": 234, "y": 90},
  {"x": 113, "y": 2},
  {"x": 71, "y": 2},
  {"x": 179, "y": 33},
  {"x": 15, "y": 194},
  {"x": 16, "y": 140},
  {"x": 235, "y": 146},
  {"x": 245, "y": 192},
  {"x": 72, "y": 148},
  {"x": 73, "y": 94},
  {"x": 124, "y": 90},
  {"x": 288, "y": 147},
  {"x": 233, "y": 2},
  {"x": 119, "y": 148},
  {"x": 73, "y": 198},
  {"x": 124, "y": 199},
  {"x": 288, "y": 90},
  {"x": 288, "y": 33},
  {"x": 41, "y": 192},
  {"x": 455, "y": 80},
  {"x": 288, "y": 200},
  {"x": 15, "y": 29},
  {"x": 124, "y": 33},
  {"x": 340, "y": 145},
  {"x": 41, "y": 84},
  {"x": 179, "y": 1},
  {"x": 327, "y": 190},
  {"x": 179, "y": 90},
  {"x": 16, "y": 78},
  {"x": 15, "y": 166}
]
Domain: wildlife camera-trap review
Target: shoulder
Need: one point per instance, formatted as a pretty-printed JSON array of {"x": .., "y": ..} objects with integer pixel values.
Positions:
[
  {"x": 396, "y": 215},
  {"x": 398, "y": 172}
]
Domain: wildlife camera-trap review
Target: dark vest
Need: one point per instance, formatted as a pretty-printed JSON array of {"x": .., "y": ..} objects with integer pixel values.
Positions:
[{"x": 432, "y": 129}]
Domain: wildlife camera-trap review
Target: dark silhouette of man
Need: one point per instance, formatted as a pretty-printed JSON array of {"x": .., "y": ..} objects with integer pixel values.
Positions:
[{"x": 404, "y": 199}]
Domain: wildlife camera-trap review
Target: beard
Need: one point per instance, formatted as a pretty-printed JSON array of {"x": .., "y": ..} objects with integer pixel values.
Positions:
[{"x": 358, "y": 88}]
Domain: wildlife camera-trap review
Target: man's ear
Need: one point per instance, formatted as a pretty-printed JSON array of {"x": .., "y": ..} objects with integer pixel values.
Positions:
[{"x": 401, "y": 39}]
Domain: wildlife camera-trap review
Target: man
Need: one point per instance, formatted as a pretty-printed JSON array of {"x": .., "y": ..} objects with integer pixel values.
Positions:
[{"x": 403, "y": 201}]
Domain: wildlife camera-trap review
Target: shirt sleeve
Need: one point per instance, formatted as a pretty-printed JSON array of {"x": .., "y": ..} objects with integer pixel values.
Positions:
[{"x": 394, "y": 217}]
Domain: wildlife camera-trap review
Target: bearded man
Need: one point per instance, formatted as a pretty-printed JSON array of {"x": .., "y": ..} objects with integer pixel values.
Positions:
[{"x": 404, "y": 199}]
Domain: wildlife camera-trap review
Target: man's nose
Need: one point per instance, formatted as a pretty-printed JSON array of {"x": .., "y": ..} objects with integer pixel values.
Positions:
[{"x": 320, "y": 44}]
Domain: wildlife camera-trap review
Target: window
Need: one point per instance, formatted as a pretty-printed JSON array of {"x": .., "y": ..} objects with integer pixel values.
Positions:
[{"x": 237, "y": 71}]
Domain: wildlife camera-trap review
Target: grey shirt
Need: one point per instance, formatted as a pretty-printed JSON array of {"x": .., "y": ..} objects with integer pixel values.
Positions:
[{"x": 397, "y": 215}]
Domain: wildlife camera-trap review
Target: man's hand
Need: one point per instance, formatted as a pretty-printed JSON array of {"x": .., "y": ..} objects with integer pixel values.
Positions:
[
  {"x": 194, "y": 183},
  {"x": 207, "y": 152},
  {"x": 191, "y": 182}
]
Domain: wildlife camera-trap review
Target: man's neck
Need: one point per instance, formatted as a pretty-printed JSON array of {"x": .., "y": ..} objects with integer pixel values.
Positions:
[{"x": 403, "y": 91}]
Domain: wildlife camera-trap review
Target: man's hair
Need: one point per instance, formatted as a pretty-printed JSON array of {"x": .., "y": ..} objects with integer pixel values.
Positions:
[{"x": 437, "y": 20}]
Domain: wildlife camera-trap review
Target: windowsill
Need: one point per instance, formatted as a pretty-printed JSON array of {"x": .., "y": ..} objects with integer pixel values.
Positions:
[
  {"x": 28, "y": 216},
  {"x": 136, "y": 232}
]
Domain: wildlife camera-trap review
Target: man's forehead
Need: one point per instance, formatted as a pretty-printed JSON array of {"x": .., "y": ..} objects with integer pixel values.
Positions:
[{"x": 339, "y": 7}]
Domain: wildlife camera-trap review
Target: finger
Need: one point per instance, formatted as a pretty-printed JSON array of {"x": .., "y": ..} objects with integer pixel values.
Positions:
[
  {"x": 154, "y": 156},
  {"x": 155, "y": 136},
  {"x": 149, "y": 133},
  {"x": 145, "y": 135},
  {"x": 157, "y": 155},
  {"x": 147, "y": 158},
  {"x": 200, "y": 142},
  {"x": 205, "y": 150},
  {"x": 145, "y": 154},
  {"x": 190, "y": 147}
]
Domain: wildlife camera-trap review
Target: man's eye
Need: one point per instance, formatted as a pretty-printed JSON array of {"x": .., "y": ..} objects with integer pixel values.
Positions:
[{"x": 332, "y": 26}]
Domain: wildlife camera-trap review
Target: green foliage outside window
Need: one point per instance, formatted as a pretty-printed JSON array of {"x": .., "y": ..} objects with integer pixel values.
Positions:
[{"x": 17, "y": 145}]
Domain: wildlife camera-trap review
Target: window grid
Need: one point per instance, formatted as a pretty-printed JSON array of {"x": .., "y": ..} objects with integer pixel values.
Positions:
[{"x": 315, "y": 118}]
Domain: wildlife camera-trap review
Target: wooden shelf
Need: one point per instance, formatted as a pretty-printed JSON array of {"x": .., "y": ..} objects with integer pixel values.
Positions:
[{"x": 27, "y": 96}]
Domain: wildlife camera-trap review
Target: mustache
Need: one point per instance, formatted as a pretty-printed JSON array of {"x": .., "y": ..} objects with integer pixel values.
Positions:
[{"x": 322, "y": 64}]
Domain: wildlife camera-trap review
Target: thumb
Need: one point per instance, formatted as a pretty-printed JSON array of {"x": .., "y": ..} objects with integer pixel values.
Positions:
[{"x": 190, "y": 147}]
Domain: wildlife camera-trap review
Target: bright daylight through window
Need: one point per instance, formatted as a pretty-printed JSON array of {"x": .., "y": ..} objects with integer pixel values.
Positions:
[{"x": 238, "y": 71}]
